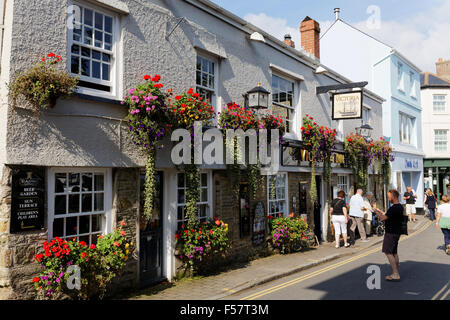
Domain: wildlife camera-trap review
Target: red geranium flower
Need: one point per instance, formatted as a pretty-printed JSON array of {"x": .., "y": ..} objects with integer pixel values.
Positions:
[
  {"x": 35, "y": 279},
  {"x": 146, "y": 77}
]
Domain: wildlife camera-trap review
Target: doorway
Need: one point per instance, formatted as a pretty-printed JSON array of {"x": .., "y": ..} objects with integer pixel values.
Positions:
[
  {"x": 318, "y": 210},
  {"x": 151, "y": 234}
]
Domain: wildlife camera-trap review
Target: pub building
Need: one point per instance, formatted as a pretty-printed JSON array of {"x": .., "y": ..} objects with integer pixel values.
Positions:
[{"x": 76, "y": 173}]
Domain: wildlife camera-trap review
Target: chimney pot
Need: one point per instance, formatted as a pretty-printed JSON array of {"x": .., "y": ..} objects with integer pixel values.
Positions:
[
  {"x": 440, "y": 60},
  {"x": 288, "y": 40},
  {"x": 336, "y": 12}
]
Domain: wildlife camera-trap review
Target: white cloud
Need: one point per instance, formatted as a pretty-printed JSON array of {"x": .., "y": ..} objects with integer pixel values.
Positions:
[
  {"x": 421, "y": 37},
  {"x": 275, "y": 26}
]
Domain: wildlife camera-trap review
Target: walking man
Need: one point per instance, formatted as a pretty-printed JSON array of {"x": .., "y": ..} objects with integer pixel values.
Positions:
[
  {"x": 357, "y": 216},
  {"x": 393, "y": 223},
  {"x": 410, "y": 198}
]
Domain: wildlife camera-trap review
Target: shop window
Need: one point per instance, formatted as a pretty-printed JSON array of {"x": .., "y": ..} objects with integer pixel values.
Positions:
[
  {"x": 283, "y": 100},
  {"x": 92, "y": 49},
  {"x": 277, "y": 195},
  {"x": 79, "y": 204},
  {"x": 204, "y": 205},
  {"x": 343, "y": 184}
]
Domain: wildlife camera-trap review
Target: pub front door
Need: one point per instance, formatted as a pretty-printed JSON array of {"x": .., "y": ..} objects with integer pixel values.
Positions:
[{"x": 151, "y": 233}]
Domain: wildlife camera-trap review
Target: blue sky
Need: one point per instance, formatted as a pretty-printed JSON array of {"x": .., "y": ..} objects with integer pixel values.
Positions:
[{"x": 418, "y": 29}]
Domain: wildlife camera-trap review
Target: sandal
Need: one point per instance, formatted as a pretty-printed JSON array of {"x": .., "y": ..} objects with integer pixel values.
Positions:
[
  {"x": 347, "y": 245},
  {"x": 389, "y": 278},
  {"x": 337, "y": 247}
]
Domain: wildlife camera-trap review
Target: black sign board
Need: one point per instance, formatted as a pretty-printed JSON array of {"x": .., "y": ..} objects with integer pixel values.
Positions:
[
  {"x": 259, "y": 224},
  {"x": 27, "y": 202}
]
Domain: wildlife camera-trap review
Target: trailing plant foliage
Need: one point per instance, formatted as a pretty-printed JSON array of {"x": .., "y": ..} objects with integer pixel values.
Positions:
[
  {"x": 184, "y": 111},
  {"x": 98, "y": 264},
  {"x": 320, "y": 141},
  {"x": 361, "y": 154},
  {"x": 43, "y": 84},
  {"x": 148, "y": 123},
  {"x": 288, "y": 234},
  {"x": 202, "y": 242}
]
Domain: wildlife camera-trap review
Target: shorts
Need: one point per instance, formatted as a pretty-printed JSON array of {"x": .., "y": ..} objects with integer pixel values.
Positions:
[
  {"x": 390, "y": 243},
  {"x": 339, "y": 223},
  {"x": 410, "y": 209}
]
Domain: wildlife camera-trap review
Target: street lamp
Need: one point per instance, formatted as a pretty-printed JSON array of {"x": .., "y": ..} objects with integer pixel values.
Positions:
[
  {"x": 364, "y": 131},
  {"x": 258, "y": 98}
]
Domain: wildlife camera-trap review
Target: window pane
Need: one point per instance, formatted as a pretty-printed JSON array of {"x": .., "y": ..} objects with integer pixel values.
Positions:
[
  {"x": 204, "y": 195},
  {"x": 204, "y": 180},
  {"x": 108, "y": 24},
  {"x": 98, "y": 21},
  {"x": 86, "y": 203},
  {"x": 87, "y": 35},
  {"x": 71, "y": 226},
  {"x": 98, "y": 182},
  {"x": 105, "y": 71},
  {"x": 180, "y": 214},
  {"x": 74, "y": 182},
  {"x": 60, "y": 182},
  {"x": 108, "y": 39},
  {"x": 181, "y": 198},
  {"x": 98, "y": 202},
  {"x": 87, "y": 181},
  {"x": 74, "y": 203},
  {"x": 84, "y": 224},
  {"x": 96, "y": 222},
  {"x": 58, "y": 228},
  {"x": 88, "y": 17},
  {"x": 60, "y": 204},
  {"x": 98, "y": 39},
  {"x": 96, "y": 55},
  {"x": 96, "y": 69},
  {"x": 75, "y": 64},
  {"x": 77, "y": 33},
  {"x": 180, "y": 180},
  {"x": 85, "y": 67},
  {"x": 106, "y": 57}
]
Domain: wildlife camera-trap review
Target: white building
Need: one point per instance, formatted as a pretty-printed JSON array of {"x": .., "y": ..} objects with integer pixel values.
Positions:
[{"x": 435, "y": 94}]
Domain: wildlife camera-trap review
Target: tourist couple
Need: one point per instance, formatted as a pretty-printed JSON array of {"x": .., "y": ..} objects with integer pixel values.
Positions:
[{"x": 340, "y": 217}]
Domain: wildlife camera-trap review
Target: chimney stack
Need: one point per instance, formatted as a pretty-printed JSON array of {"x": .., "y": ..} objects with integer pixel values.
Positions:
[
  {"x": 310, "y": 34},
  {"x": 336, "y": 12},
  {"x": 443, "y": 69},
  {"x": 288, "y": 40}
]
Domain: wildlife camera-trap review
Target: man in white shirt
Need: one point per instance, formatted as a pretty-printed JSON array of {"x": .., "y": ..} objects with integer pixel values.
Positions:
[{"x": 357, "y": 216}]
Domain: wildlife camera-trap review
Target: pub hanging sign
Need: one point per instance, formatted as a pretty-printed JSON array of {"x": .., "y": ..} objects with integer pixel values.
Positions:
[{"x": 27, "y": 199}]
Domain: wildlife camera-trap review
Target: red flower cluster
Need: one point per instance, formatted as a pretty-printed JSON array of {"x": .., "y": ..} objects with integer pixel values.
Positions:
[
  {"x": 54, "y": 56},
  {"x": 56, "y": 247},
  {"x": 156, "y": 78}
]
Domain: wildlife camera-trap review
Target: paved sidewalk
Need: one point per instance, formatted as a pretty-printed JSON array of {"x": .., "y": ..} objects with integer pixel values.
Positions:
[{"x": 256, "y": 272}]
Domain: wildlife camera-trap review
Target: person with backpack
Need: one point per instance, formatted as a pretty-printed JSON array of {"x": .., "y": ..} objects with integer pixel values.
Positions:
[
  {"x": 430, "y": 201},
  {"x": 393, "y": 221},
  {"x": 339, "y": 218}
]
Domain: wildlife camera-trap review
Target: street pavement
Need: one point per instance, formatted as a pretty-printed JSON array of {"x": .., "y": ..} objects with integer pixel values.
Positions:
[{"x": 424, "y": 271}]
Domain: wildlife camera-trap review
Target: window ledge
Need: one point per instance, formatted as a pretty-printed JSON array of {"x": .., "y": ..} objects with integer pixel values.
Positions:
[
  {"x": 115, "y": 5},
  {"x": 96, "y": 98}
]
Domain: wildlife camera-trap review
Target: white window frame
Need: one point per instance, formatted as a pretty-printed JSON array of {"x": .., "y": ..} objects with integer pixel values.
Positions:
[
  {"x": 215, "y": 91},
  {"x": 444, "y": 102},
  {"x": 208, "y": 203},
  {"x": 345, "y": 186},
  {"x": 114, "y": 64},
  {"x": 366, "y": 115},
  {"x": 292, "y": 109},
  {"x": 409, "y": 126},
  {"x": 444, "y": 142},
  {"x": 412, "y": 83},
  {"x": 286, "y": 194},
  {"x": 401, "y": 77},
  {"x": 108, "y": 195}
]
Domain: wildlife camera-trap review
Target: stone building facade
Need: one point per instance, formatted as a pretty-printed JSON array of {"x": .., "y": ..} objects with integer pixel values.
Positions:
[{"x": 85, "y": 138}]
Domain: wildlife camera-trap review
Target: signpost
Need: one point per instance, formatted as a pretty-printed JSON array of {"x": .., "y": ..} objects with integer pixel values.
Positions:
[{"x": 27, "y": 199}]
